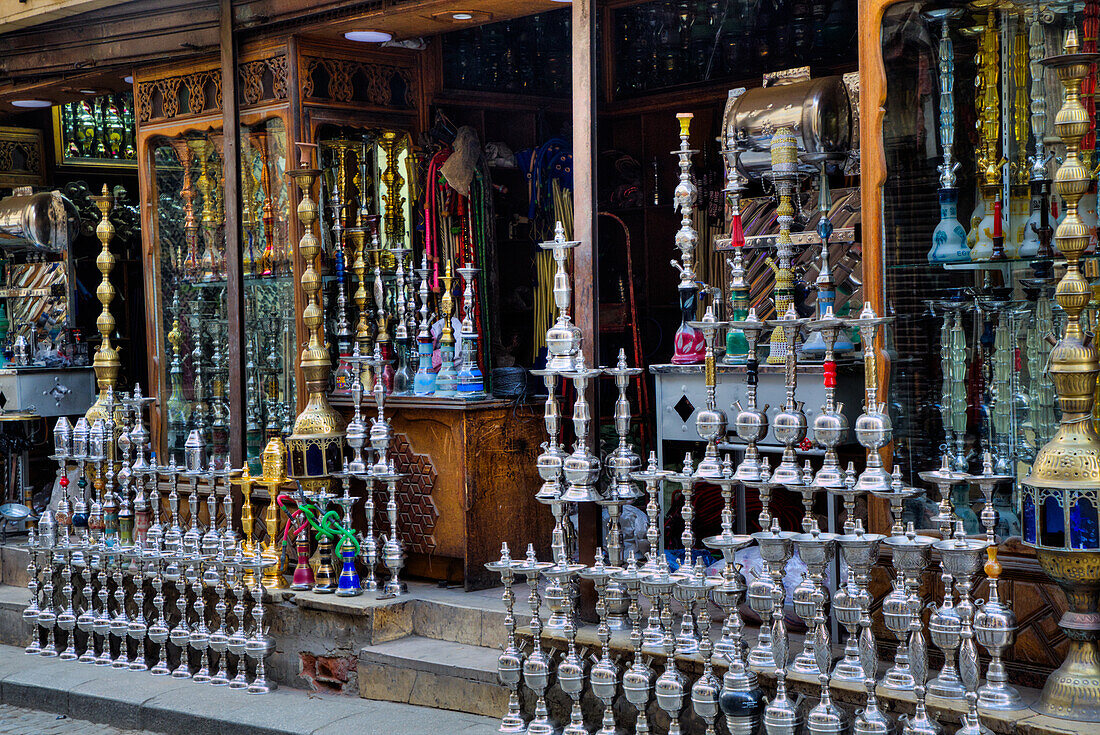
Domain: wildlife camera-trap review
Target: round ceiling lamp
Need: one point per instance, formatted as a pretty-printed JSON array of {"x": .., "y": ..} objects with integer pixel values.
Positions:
[
  {"x": 32, "y": 104},
  {"x": 369, "y": 36}
]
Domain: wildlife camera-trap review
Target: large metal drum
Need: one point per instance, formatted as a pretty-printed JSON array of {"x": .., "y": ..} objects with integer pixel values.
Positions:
[
  {"x": 817, "y": 110},
  {"x": 46, "y": 221}
]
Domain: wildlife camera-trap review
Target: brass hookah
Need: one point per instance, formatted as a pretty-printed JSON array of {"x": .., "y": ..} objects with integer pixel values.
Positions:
[
  {"x": 250, "y": 218},
  {"x": 319, "y": 427},
  {"x": 392, "y": 142},
  {"x": 274, "y": 476},
  {"x": 447, "y": 378},
  {"x": 202, "y": 148},
  {"x": 1066, "y": 469},
  {"x": 988, "y": 148},
  {"x": 269, "y": 258},
  {"x": 105, "y": 363},
  {"x": 784, "y": 177},
  {"x": 187, "y": 264}
]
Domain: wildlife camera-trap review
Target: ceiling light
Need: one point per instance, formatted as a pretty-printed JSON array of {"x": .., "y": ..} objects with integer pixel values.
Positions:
[
  {"x": 369, "y": 36},
  {"x": 88, "y": 91},
  {"x": 128, "y": 79},
  {"x": 31, "y": 103},
  {"x": 462, "y": 16}
]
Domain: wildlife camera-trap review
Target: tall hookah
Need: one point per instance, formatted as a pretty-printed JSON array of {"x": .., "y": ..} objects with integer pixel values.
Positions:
[
  {"x": 737, "y": 346},
  {"x": 711, "y": 421},
  {"x": 949, "y": 237},
  {"x": 784, "y": 177},
  {"x": 690, "y": 348},
  {"x": 1038, "y": 232},
  {"x": 826, "y": 285}
]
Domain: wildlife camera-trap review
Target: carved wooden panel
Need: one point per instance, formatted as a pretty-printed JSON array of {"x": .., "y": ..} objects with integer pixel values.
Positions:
[
  {"x": 21, "y": 161},
  {"x": 348, "y": 81},
  {"x": 263, "y": 80},
  {"x": 178, "y": 96},
  {"x": 416, "y": 510}
]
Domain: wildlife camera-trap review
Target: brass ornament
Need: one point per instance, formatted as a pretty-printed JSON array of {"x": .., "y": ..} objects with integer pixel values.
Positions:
[
  {"x": 106, "y": 363},
  {"x": 1066, "y": 472}
]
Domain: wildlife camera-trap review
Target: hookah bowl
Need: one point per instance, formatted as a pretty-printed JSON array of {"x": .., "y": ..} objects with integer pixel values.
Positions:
[
  {"x": 510, "y": 660},
  {"x": 944, "y": 479}
]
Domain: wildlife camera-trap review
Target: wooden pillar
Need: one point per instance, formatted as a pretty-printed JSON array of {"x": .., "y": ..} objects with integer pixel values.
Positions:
[
  {"x": 233, "y": 268},
  {"x": 586, "y": 293}
]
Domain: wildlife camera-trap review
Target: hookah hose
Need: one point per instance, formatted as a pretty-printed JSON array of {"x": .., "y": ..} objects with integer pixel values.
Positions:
[
  {"x": 431, "y": 210},
  {"x": 329, "y": 524}
]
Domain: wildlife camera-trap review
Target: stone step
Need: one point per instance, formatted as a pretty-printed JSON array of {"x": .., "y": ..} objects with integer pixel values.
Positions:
[
  {"x": 14, "y": 558},
  {"x": 433, "y": 673},
  {"x": 14, "y": 630}
]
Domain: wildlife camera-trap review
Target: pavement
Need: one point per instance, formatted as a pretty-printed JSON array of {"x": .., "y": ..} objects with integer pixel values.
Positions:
[
  {"x": 20, "y": 721},
  {"x": 137, "y": 701}
]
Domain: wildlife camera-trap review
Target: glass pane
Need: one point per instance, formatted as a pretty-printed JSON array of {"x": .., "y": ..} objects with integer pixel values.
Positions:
[{"x": 267, "y": 262}]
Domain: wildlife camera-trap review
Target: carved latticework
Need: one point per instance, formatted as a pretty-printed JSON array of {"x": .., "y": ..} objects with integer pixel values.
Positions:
[
  {"x": 254, "y": 75},
  {"x": 417, "y": 514},
  {"x": 347, "y": 80},
  {"x": 21, "y": 157},
  {"x": 159, "y": 99}
]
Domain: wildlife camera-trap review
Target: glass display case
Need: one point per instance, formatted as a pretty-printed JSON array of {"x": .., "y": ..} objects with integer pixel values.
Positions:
[
  {"x": 193, "y": 292},
  {"x": 968, "y": 217},
  {"x": 96, "y": 131}
]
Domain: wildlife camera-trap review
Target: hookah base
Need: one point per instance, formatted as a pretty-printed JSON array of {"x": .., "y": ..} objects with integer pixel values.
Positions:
[
  {"x": 182, "y": 672},
  {"x": 761, "y": 659},
  {"x": 805, "y": 664},
  {"x": 238, "y": 682},
  {"x": 323, "y": 589},
  {"x": 848, "y": 670},
  {"x": 512, "y": 724},
  {"x": 260, "y": 687},
  {"x": 946, "y": 687},
  {"x": 219, "y": 680},
  {"x": 161, "y": 669},
  {"x": 999, "y": 697},
  {"x": 540, "y": 726},
  {"x": 68, "y": 655},
  {"x": 898, "y": 679},
  {"x": 350, "y": 591}
]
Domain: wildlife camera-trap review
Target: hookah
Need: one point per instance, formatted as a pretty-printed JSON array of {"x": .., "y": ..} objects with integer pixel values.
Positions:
[
  {"x": 895, "y": 606},
  {"x": 989, "y": 161},
  {"x": 784, "y": 177},
  {"x": 620, "y": 463},
  {"x": 653, "y": 638},
  {"x": 670, "y": 686},
  {"x": 218, "y": 639},
  {"x": 236, "y": 580},
  {"x": 259, "y": 645},
  {"x": 563, "y": 339},
  {"x": 705, "y": 691},
  {"x": 789, "y": 425},
  {"x": 816, "y": 550},
  {"x": 830, "y": 426},
  {"x": 138, "y": 628},
  {"x": 638, "y": 679},
  {"x": 782, "y": 716},
  {"x": 732, "y": 588},
  {"x": 536, "y": 667},
  {"x": 751, "y": 422},
  {"x": 303, "y": 578},
  {"x": 604, "y": 675},
  {"x": 776, "y": 547},
  {"x": 688, "y": 642},
  {"x": 342, "y": 328},
  {"x": 737, "y": 347},
  {"x": 274, "y": 475},
  {"x": 741, "y": 699},
  {"x": 825, "y": 718},
  {"x": 861, "y": 554},
  {"x": 961, "y": 560},
  {"x": 510, "y": 660},
  {"x": 348, "y": 584},
  {"x": 571, "y": 673},
  {"x": 711, "y": 421},
  {"x": 424, "y": 380},
  {"x": 158, "y": 628},
  {"x": 381, "y": 436},
  {"x": 180, "y": 633},
  {"x": 689, "y": 346},
  {"x": 826, "y": 286},
  {"x": 446, "y": 380},
  {"x": 873, "y": 427},
  {"x": 910, "y": 555},
  {"x": 402, "y": 378},
  {"x": 1038, "y": 232},
  {"x": 945, "y": 630},
  {"x": 581, "y": 469},
  {"x": 471, "y": 383},
  {"x": 949, "y": 243},
  {"x": 47, "y": 614},
  {"x": 994, "y": 623}
]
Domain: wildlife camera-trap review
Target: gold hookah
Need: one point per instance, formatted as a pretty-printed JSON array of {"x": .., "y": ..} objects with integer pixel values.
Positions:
[
  {"x": 784, "y": 174},
  {"x": 1067, "y": 468},
  {"x": 188, "y": 263},
  {"x": 988, "y": 124},
  {"x": 315, "y": 446},
  {"x": 267, "y": 215},
  {"x": 248, "y": 520},
  {"x": 392, "y": 142},
  {"x": 249, "y": 219},
  {"x": 274, "y": 476},
  {"x": 1020, "y": 202},
  {"x": 106, "y": 363}
]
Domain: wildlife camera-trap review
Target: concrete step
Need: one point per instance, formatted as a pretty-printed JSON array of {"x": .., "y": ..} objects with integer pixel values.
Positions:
[
  {"x": 14, "y": 630},
  {"x": 433, "y": 673}
]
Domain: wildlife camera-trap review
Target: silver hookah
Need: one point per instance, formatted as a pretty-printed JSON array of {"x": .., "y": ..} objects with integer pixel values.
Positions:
[
  {"x": 994, "y": 623},
  {"x": 825, "y": 718},
  {"x": 237, "y": 641},
  {"x": 180, "y": 633},
  {"x": 830, "y": 426},
  {"x": 536, "y": 666},
  {"x": 571, "y": 667},
  {"x": 751, "y": 422},
  {"x": 619, "y": 464},
  {"x": 944, "y": 478},
  {"x": 384, "y": 471},
  {"x": 468, "y": 375},
  {"x": 259, "y": 645},
  {"x": 563, "y": 339},
  {"x": 776, "y": 547},
  {"x": 138, "y": 628},
  {"x": 873, "y": 427},
  {"x": 158, "y": 627},
  {"x": 638, "y": 679},
  {"x": 728, "y": 543},
  {"x": 581, "y": 468},
  {"x": 961, "y": 561},
  {"x": 604, "y": 674},
  {"x": 346, "y": 502},
  {"x": 860, "y": 551},
  {"x": 741, "y": 699},
  {"x": 710, "y": 422},
  {"x": 550, "y": 465},
  {"x": 782, "y": 715},
  {"x": 789, "y": 424},
  {"x": 342, "y": 328},
  {"x": 861, "y": 554},
  {"x": 670, "y": 686},
  {"x": 901, "y": 608},
  {"x": 816, "y": 550},
  {"x": 510, "y": 660},
  {"x": 705, "y": 690},
  {"x": 47, "y": 613},
  {"x": 653, "y": 638},
  {"x": 688, "y": 641},
  {"x": 402, "y": 377},
  {"x": 357, "y": 436},
  {"x": 684, "y": 197}
]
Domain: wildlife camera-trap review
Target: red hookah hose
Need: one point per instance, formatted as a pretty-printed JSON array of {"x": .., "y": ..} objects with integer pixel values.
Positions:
[{"x": 431, "y": 204}]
